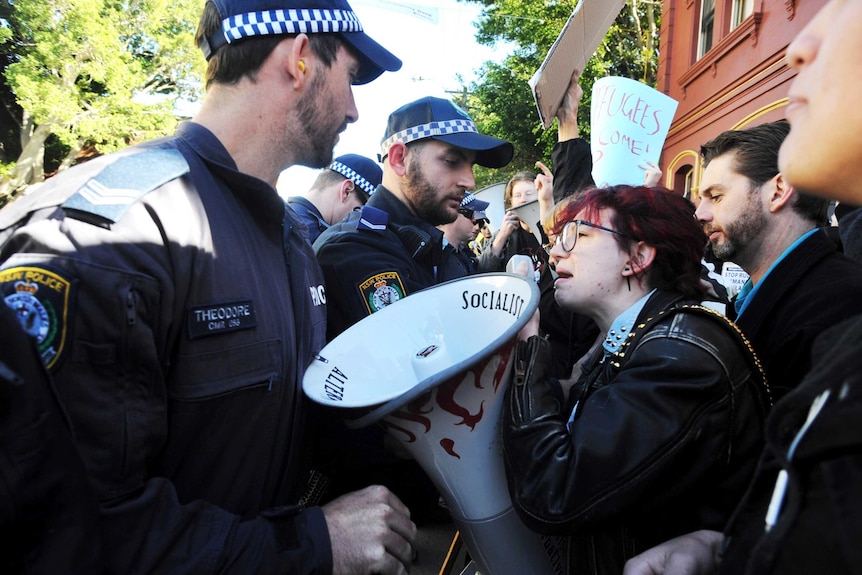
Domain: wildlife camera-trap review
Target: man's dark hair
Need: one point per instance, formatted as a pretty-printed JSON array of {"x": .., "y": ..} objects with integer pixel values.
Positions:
[
  {"x": 756, "y": 158},
  {"x": 243, "y": 58}
]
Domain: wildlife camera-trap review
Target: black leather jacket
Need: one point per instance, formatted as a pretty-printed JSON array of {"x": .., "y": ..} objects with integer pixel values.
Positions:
[{"x": 666, "y": 435}]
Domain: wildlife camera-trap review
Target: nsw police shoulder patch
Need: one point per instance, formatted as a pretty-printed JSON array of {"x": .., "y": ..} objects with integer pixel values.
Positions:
[
  {"x": 381, "y": 290},
  {"x": 42, "y": 299}
]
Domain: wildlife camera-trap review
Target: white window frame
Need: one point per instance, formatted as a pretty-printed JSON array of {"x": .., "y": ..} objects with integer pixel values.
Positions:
[
  {"x": 741, "y": 10},
  {"x": 702, "y": 49}
]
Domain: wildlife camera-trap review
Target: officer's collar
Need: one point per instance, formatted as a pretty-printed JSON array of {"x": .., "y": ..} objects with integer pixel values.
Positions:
[{"x": 399, "y": 213}]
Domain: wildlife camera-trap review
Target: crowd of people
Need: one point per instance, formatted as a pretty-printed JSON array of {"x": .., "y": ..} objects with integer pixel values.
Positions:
[{"x": 155, "y": 340}]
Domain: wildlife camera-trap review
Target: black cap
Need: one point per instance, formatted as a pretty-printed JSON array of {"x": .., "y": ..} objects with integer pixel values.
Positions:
[
  {"x": 247, "y": 18},
  {"x": 442, "y": 120},
  {"x": 362, "y": 171}
]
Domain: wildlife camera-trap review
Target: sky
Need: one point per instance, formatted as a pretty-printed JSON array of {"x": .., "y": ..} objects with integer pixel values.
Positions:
[{"x": 435, "y": 39}]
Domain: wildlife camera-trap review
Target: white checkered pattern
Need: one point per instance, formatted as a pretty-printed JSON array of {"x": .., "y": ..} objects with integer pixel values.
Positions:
[
  {"x": 353, "y": 176},
  {"x": 289, "y": 22},
  {"x": 426, "y": 131},
  {"x": 468, "y": 197}
]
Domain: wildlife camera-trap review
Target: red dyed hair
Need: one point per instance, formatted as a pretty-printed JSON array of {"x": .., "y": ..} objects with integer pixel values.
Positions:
[{"x": 656, "y": 216}]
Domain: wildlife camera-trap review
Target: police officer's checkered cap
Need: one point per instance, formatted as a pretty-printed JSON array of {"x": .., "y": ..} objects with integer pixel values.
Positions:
[
  {"x": 289, "y": 22},
  {"x": 248, "y": 18},
  {"x": 475, "y": 205},
  {"x": 354, "y": 176},
  {"x": 440, "y": 119},
  {"x": 427, "y": 130}
]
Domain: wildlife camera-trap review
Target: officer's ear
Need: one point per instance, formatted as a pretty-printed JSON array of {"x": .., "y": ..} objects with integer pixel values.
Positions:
[
  {"x": 398, "y": 158},
  {"x": 346, "y": 188},
  {"x": 294, "y": 53}
]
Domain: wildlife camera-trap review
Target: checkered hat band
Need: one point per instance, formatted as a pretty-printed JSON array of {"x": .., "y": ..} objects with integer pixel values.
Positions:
[
  {"x": 353, "y": 176},
  {"x": 310, "y": 21},
  {"x": 428, "y": 130}
]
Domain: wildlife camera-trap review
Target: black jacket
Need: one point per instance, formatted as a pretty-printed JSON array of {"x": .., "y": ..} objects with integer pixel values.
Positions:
[
  {"x": 48, "y": 512},
  {"x": 310, "y": 216},
  {"x": 810, "y": 290},
  {"x": 665, "y": 437},
  {"x": 367, "y": 268},
  {"x": 181, "y": 305},
  {"x": 818, "y": 528},
  {"x": 572, "y": 163}
]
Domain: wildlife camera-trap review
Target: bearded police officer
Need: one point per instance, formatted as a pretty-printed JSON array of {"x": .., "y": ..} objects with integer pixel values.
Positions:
[
  {"x": 390, "y": 249},
  {"x": 177, "y": 305}
]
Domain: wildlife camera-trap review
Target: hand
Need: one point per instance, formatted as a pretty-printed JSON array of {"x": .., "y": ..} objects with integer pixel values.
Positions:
[
  {"x": 567, "y": 113},
  {"x": 652, "y": 174},
  {"x": 522, "y": 265},
  {"x": 510, "y": 223},
  {"x": 694, "y": 553},
  {"x": 371, "y": 532},
  {"x": 544, "y": 183},
  {"x": 530, "y": 328}
]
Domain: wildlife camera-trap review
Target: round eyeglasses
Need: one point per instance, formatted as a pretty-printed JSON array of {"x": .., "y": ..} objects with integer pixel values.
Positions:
[{"x": 568, "y": 238}]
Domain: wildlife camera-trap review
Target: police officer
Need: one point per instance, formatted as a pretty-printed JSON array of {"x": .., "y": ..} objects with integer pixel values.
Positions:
[
  {"x": 177, "y": 305},
  {"x": 390, "y": 249},
  {"x": 458, "y": 259},
  {"x": 345, "y": 185}
]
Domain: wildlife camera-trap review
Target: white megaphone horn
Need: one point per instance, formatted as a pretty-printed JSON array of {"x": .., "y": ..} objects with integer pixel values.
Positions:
[{"x": 433, "y": 369}]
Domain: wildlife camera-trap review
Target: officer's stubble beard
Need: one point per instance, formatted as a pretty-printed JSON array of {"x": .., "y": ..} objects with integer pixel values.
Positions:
[
  {"x": 422, "y": 194},
  {"x": 312, "y": 111}
]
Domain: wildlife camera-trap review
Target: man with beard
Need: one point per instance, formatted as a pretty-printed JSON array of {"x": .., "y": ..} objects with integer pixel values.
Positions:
[
  {"x": 177, "y": 304},
  {"x": 799, "y": 283},
  {"x": 802, "y": 512},
  {"x": 391, "y": 249}
]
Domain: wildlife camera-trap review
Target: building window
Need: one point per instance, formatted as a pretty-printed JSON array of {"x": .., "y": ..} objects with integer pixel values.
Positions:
[
  {"x": 742, "y": 9},
  {"x": 686, "y": 192},
  {"x": 683, "y": 181},
  {"x": 707, "y": 23}
]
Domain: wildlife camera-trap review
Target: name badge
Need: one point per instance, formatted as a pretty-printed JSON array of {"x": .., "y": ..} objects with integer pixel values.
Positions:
[{"x": 219, "y": 318}]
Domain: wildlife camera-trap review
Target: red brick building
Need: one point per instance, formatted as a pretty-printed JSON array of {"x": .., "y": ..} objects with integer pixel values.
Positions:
[{"x": 723, "y": 61}]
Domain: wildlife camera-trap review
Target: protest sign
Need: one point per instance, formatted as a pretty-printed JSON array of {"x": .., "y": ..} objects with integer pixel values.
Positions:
[
  {"x": 629, "y": 122},
  {"x": 583, "y": 32},
  {"x": 734, "y": 278}
]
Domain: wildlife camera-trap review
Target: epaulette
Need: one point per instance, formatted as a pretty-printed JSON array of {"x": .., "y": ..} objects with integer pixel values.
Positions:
[
  {"x": 372, "y": 219},
  {"x": 122, "y": 183}
]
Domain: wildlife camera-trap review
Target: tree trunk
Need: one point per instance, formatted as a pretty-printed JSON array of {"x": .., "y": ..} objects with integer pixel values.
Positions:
[
  {"x": 29, "y": 168},
  {"x": 70, "y": 157}
]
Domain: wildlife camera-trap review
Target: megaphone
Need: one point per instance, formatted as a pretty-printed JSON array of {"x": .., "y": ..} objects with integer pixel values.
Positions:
[{"x": 432, "y": 368}]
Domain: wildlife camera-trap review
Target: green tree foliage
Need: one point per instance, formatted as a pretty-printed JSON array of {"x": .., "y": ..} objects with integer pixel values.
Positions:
[
  {"x": 83, "y": 74},
  {"x": 501, "y": 101}
]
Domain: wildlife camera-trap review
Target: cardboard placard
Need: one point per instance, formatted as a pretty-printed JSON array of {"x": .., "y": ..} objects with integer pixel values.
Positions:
[{"x": 584, "y": 31}]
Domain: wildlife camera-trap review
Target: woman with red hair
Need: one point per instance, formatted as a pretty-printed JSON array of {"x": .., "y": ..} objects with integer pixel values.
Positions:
[{"x": 661, "y": 431}]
